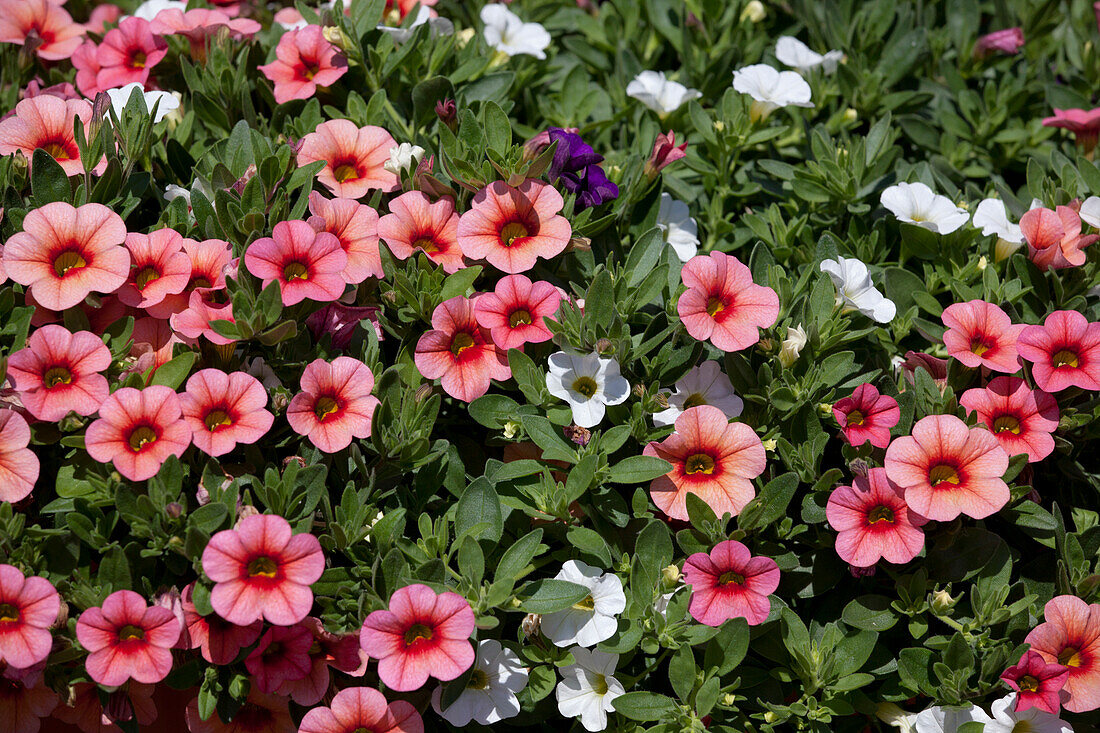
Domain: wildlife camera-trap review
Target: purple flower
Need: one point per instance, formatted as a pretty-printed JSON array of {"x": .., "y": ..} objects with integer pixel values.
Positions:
[
  {"x": 576, "y": 167},
  {"x": 340, "y": 320}
]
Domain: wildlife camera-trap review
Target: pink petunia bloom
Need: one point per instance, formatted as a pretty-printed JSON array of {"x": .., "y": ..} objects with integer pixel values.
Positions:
[
  {"x": 723, "y": 304},
  {"x": 730, "y": 583},
  {"x": 867, "y": 416},
  {"x": 712, "y": 458},
  {"x": 364, "y": 710},
  {"x": 262, "y": 570},
  {"x": 421, "y": 635},
  {"x": 218, "y": 641},
  {"x": 102, "y": 18},
  {"x": 128, "y": 54},
  {"x": 873, "y": 522},
  {"x": 665, "y": 152},
  {"x": 41, "y": 22},
  {"x": 133, "y": 702},
  {"x": 1064, "y": 352},
  {"x": 1084, "y": 124},
  {"x": 153, "y": 343},
  {"x": 511, "y": 228},
  {"x": 415, "y": 223},
  {"x": 281, "y": 656},
  {"x": 306, "y": 263},
  {"x": 19, "y": 465},
  {"x": 137, "y": 430},
  {"x": 1008, "y": 41},
  {"x": 515, "y": 313},
  {"x": 356, "y": 226},
  {"x": 1054, "y": 239},
  {"x": 981, "y": 334},
  {"x": 1070, "y": 636},
  {"x": 85, "y": 60},
  {"x": 260, "y": 714},
  {"x": 211, "y": 260},
  {"x": 158, "y": 268},
  {"x": 223, "y": 410},
  {"x": 304, "y": 61},
  {"x": 459, "y": 352},
  {"x": 1022, "y": 419},
  {"x": 28, "y": 607},
  {"x": 946, "y": 469},
  {"x": 340, "y": 651},
  {"x": 194, "y": 320},
  {"x": 354, "y": 158},
  {"x": 47, "y": 122},
  {"x": 66, "y": 253},
  {"x": 59, "y": 372},
  {"x": 24, "y": 699},
  {"x": 1038, "y": 684},
  {"x": 199, "y": 24},
  {"x": 127, "y": 639},
  {"x": 335, "y": 404}
]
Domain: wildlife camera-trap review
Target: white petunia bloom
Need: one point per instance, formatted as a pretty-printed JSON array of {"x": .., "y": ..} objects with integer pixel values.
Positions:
[
  {"x": 149, "y": 9},
  {"x": 660, "y": 94},
  {"x": 796, "y": 54},
  {"x": 172, "y": 192},
  {"x": 588, "y": 688},
  {"x": 704, "y": 384},
  {"x": 917, "y": 204},
  {"x": 1090, "y": 211},
  {"x": 771, "y": 89},
  {"x": 439, "y": 26},
  {"x": 792, "y": 346},
  {"x": 1007, "y": 720},
  {"x": 855, "y": 291},
  {"x": 895, "y": 717},
  {"x": 505, "y": 32},
  {"x": 943, "y": 719},
  {"x": 680, "y": 230},
  {"x": 591, "y": 620},
  {"x": 168, "y": 102},
  {"x": 490, "y": 695},
  {"x": 588, "y": 382},
  {"x": 992, "y": 218},
  {"x": 403, "y": 157}
]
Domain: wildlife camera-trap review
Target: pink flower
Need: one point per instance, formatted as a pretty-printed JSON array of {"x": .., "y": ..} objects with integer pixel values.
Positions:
[
  {"x": 25, "y": 701},
  {"x": 459, "y": 352},
  {"x": 1064, "y": 352},
  {"x": 1054, "y": 239},
  {"x": 158, "y": 268},
  {"x": 211, "y": 260},
  {"x": 867, "y": 416},
  {"x": 936, "y": 368},
  {"x": 306, "y": 263},
  {"x": 47, "y": 122},
  {"x": 59, "y": 372},
  {"x": 947, "y": 469},
  {"x": 356, "y": 226},
  {"x": 873, "y": 522},
  {"x": 730, "y": 583},
  {"x": 512, "y": 227},
  {"x": 1070, "y": 636},
  {"x": 134, "y": 702},
  {"x": 137, "y": 430},
  {"x": 304, "y": 60},
  {"x": 665, "y": 151},
  {"x": 85, "y": 60},
  {"x": 153, "y": 342},
  {"x": 28, "y": 607},
  {"x": 218, "y": 641},
  {"x": 326, "y": 650},
  {"x": 128, "y": 54},
  {"x": 335, "y": 404},
  {"x": 981, "y": 334},
  {"x": 1037, "y": 683},
  {"x": 260, "y": 714},
  {"x": 415, "y": 223},
  {"x": 18, "y": 464},
  {"x": 354, "y": 158},
  {"x": 223, "y": 410},
  {"x": 127, "y": 639},
  {"x": 199, "y": 24},
  {"x": 1009, "y": 42},
  {"x": 515, "y": 313},
  {"x": 421, "y": 635},
  {"x": 262, "y": 570},
  {"x": 282, "y": 655},
  {"x": 1084, "y": 124},
  {"x": 723, "y": 304},
  {"x": 44, "y": 21},
  {"x": 363, "y": 709},
  {"x": 194, "y": 321},
  {"x": 1021, "y": 419}
]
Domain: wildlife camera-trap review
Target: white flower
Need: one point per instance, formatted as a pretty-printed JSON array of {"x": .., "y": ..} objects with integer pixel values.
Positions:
[
  {"x": 588, "y": 382},
  {"x": 792, "y": 346},
  {"x": 855, "y": 291},
  {"x": 661, "y": 604},
  {"x": 505, "y": 32},
  {"x": 1090, "y": 211},
  {"x": 165, "y": 102},
  {"x": 591, "y": 620},
  {"x": 403, "y": 157},
  {"x": 149, "y": 9},
  {"x": 895, "y": 717},
  {"x": 917, "y": 204},
  {"x": 661, "y": 95},
  {"x": 771, "y": 89},
  {"x": 1007, "y": 720},
  {"x": 704, "y": 384},
  {"x": 940, "y": 719},
  {"x": 588, "y": 688},
  {"x": 439, "y": 26},
  {"x": 992, "y": 218},
  {"x": 681, "y": 231},
  {"x": 490, "y": 695},
  {"x": 796, "y": 54},
  {"x": 172, "y": 192}
]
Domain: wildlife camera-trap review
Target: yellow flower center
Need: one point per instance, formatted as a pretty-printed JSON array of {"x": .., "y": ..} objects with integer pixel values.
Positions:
[
  {"x": 57, "y": 151},
  {"x": 67, "y": 262},
  {"x": 731, "y": 577},
  {"x": 216, "y": 419},
  {"x": 978, "y": 347},
  {"x": 585, "y": 386},
  {"x": 855, "y": 417},
  {"x": 262, "y": 567},
  {"x": 511, "y": 232},
  {"x": 417, "y": 633},
  {"x": 518, "y": 318},
  {"x": 715, "y": 305},
  {"x": 345, "y": 173},
  {"x": 880, "y": 514},
  {"x": 141, "y": 437},
  {"x": 1065, "y": 358},
  {"x": 478, "y": 680},
  {"x": 461, "y": 342},
  {"x": 131, "y": 633},
  {"x": 1070, "y": 657},
  {"x": 9, "y": 614},
  {"x": 588, "y": 604},
  {"x": 138, "y": 61},
  {"x": 427, "y": 244},
  {"x": 1007, "y": 423},
  {"x": 295, "y": 271},
  {"x": 146, "y": 276},
  {"x": 699, "y": 463},
  {"x": 943, "y": 474},
  {"x": 57, "y": 375},
  {"x": 599, "y": 684},
  {"x": 324, "y": 407},
  {"x": 1028, "y": 684}
]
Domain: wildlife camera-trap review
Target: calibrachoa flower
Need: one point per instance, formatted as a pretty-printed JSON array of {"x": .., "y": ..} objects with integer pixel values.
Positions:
[
  {"x": 588, "y": 688},
  {"x": 164, "y": 102},
  {"x": 356, "y": 226},
  {"x": 873, "y": 522},
  {"x": 47, "y": 122},
  {"x": 1022, "y": 419},
  {"x": 992, "y": 218},
  {"x": 28, "y": 607},
  {"x": 665, "y": 152},
  {"x": 127, "y": 639},
  {"x": 704, "y": 384},
  {"x": 1009, "y": 717},
  {"x": 137, "y": 430},
  {"x": 59, "y": 372},
  {"x": 341, "y": 651},
  {"x": 45, "y": 23},
  {"x": 416, "y": 223},
  {"x": 306, "y": 263},
  {"x": 354, "y": 158},
  {"x": 722, "y": 304},
  {"x": 867, "y": 416},
  {"x": 1008, "y": 41},
  {"x": 592, "y": 619},
  {"x": 211, "y": 260},
  {"x": 576, "y": 166},
  {"x": 855, "y": 291},
  {"x": 134, "y": 702},
  {"x": 194, "y": 320},
  {"x": 24, "y": 699},
  {"x": 512, "y": 227},
  {"x": 1038, "y": 683},
  {"x": 588, "y": 382},
  {"x": 281, "y": 656},
  {"x": 223, "y": 410},
  {"x": 515, "y": 312},
  {"x": 771, "y": 89},
  {"x": 730, "y": 583},
  {"x": 260, "y": 714},
  {"x": 1070, "y": 636},
  {"x": 262, "y": 570},
  {"x": 198, "y": 24},
  {"x": 1084, "y": 124},
  {"x": 490, "y": 695},
  {"x": 335, "y": 404},
  {"x": 712, "y": 458},
  {"x": 1064, "y": 352},
  {"x": 679, "y": 229},
  {"x": 158, "y": 268},
  {"x": 421, "y": 635},
  {"x": 304, "y": 61},
  {"x": 218, "y": 641},
  {"x": 918, "y": 204},
  {"x": 128, "y": 54},
  {"x": 660, "y": 94},
  {"x": 506, "y": 33},
  {"x": 459, "y": 352},
  {"x": 946, "y": 469},
  {"x": 981, "y": 334},
  {"x": 796, "y": 54},
  {"x": 362, "y": 709},
  {"x": 1054, "y": 239}
]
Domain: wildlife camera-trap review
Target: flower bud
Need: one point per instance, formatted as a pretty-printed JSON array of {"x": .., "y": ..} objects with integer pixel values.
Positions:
[
  {"x": 337, "y": 37},
  {"x": 1003, "y": 249},
  {"x": 174, "y": 509},
  {"x": 403, "y": 159},
  {"x": 577, "y": 243},
  {"x": 510, "y": 429},
  {"x": 942, "y": 602},
  {"x": 983, "y": 262},
  {"x": 665, "y": 151},
  {"x": 824, "y": 409},
  {"x": 770, "y": 445},
  {"x": 754, "y": 12},
  {"x": 531, "y": 624},
  {"x": 424, "y": 392},
  {"x": 605, "y": 347},
  {"x": 447, "y": 112},
  {"x": 850, "y": 115},
  {"x": 792, "y": 346},
  {"x": 670, "y": 576},
  {"x": 729, "y": 699}
]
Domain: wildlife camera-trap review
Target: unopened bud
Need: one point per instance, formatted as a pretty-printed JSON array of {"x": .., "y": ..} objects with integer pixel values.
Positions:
[
  {"x": 754, "y": 12},
  {"x": 942, "y": 602},
  {"x": 850, "y": 115},
  {"x": 824, "y": 409},
  {"x": 605, "y": 347},
  {"x": 639, "y": 391},
  {"x": 510, "y": 429},
  {"x": 337, "y": 37},
  {"x": 580, "y": 244},
  {"x": 174, "y": 509},
  {"x": 246, "y": 511},
  {"x": 423, "y": 392},
  {"x": 662, "y": 400},
  {"x": 294, "y": 459},
  {"x": 729, "y": 699},
  {"x": 983, "y": 262},
  {"x": 770, "y": 445},
  {"x": 1004, "y": 249},
  {"x": 670, "y": 576},
  {"x": 770, "y": 717},
  {"x": 447, "y": 112}
]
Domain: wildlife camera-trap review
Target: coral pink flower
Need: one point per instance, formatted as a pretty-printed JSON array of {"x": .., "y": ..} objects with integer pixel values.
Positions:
[
  {"x": 723, "y": 304},
  {"x": 306, "y": 263},
  {"x": 211, "y": 260},
  {"x": 730, "y": 583},
  {"x": 947, "y": 469},
  {"x": 65, "y": 253},
  {"x": 1054, "y": 239},
  {"x": 712, "y": 458},
  {"x": 512, "y": 227},
  {"x": 24, "y": 700},
  {"x": 262, "y": 570},
  {"x": 1009, "y": 42},
  {"x": 363, "y": 709},
  {"x": 665, "y": 152},
  {"x": 981, "y": 334},
  {"x": 18, "y": 464},
  {"x": 260, "y": 714},
  {"x": 1037, "y": 683},
  {"x": 42, "y": 21},
  {"x": 158, "y": 268},
  {"x": 101, "y": 18},
  {"x": 356, "y": 226},
  {"x": 304, "y": 60},
  {"x": 128, "y": 54},
  {"x": 326, "y": 650},
  {"x": 153, "y": 342},
  {"x": 1064, "y": 352},
  {"x": 60, "y": 372},
  {"x": 28, "y": 607},
  {"x": 194, "y": 321},
  {"x": 199, "y": 24},
  {"x": 127, "y": 639},
  {"x": 415, "y": 223},
  {"x": 515, "y": 313},
  {"x": 85, "y": 60},
  {"x": 354, "y": 158},
  {"x": 1070, "y": 636},
  {"x": 225, "y": 409},
  {"x": 867, "y": 416},
  {"x": 404, "y": 7},
  {"x": 137, "y": 430},
  {"x": 134, "y": 702},
  {"x": 873, "y": 522},
  {"x": 47, "y": 122},
  {"x": 459, "y": 352},
  {"x": 335, "y": 404},
  {"x": 1084, "y": 124},
  {"x": 282, "y": 655},
  {"x": 218, "y": 641},
  {"x": 1020, "y": 418},
  {"x": 421, "y": 635}
]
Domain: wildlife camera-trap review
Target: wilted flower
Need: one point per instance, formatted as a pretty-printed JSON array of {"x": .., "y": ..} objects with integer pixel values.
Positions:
[
  {"x": 1084, "y": 124},
  {"x": 1008, "y": 41},
  {"x": 403, "y": 158},
  {"x": 855, "y": 290},
  {"x": 665, "y": 151}
]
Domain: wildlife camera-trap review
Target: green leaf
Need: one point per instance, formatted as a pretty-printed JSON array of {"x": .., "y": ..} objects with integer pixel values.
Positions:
[
  {"x": 599, "y": 303},
  {"x": 498, "y": 129},
  {"x": 517, "y": 557},
  {"x": 209, "y": 517},
  {"x": 458, "y": 283},
  {"x": 770, "y": 505},
  {"x": 493, "y": 410},
  {"x": 726, "y": 650},
  {"x": 479, "y": 504},
  {"x": 529, "y": 378},
  {"x": 639, "y": 469},
  {"x": 681, "y": 672},
  {"x": 871, "y": 612},
  {"x": 175, "y": 371},
  {"x": 48, "y": 180},
  {"x": 644, "y": 706},
  {"x": 550, "y": 595}
]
